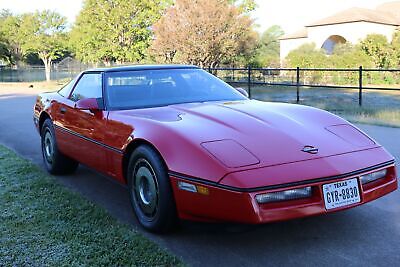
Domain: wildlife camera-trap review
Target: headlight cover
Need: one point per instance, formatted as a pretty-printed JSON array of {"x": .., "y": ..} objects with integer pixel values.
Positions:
[
  {"x": 230, "y": 153},
  {"x": 291, "y": 194},
  {"x": 351, "y": 135},
  {"x": 373, "y": 176}
]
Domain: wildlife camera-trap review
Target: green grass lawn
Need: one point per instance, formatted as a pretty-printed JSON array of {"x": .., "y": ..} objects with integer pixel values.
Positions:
[{"x": 44, "y": 224}]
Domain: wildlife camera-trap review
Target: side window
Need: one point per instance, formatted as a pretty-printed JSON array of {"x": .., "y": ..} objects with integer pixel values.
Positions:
[{"x": 88, "y": 86}]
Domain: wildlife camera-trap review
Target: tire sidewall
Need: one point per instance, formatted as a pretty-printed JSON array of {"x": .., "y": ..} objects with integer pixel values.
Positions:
[
  {"x": 48, "y": 126},
  {"x": 166, "y": 211},
  {"x": 61, "y": 164}
]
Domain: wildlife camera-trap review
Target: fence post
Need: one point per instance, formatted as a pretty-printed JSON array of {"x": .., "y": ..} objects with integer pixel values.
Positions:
[
  {"x": 249, "y": 80},
  {"x": 360, "y": 85},
  {"x": 297, "y": 85}
]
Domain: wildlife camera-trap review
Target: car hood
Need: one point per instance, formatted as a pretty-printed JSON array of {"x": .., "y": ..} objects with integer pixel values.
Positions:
[{"x": 250, "y": 133}]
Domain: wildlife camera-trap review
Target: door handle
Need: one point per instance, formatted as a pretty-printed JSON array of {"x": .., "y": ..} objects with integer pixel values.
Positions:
[{"x": 63, "y": 110}]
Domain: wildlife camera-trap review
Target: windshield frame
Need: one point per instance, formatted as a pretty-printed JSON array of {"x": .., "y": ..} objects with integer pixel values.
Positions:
[{"x": 107, "y": 74}]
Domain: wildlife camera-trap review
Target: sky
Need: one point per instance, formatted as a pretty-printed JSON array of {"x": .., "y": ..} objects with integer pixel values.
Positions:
[{"x": 291, "y": 15}]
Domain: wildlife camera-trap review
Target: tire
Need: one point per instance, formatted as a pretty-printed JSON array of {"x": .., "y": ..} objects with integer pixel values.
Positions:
[
  {"x": 150, "y": 191},
  {"x": 55, "y": 162}
]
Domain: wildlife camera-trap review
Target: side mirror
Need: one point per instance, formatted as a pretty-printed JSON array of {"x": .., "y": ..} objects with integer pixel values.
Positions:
[
  {"x": 242, "y": 91},
  {"x": 88, "y": 104}
]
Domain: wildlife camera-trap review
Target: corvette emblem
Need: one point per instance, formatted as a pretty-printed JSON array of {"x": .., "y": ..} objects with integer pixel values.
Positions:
[{"x": 310, "y": 149}]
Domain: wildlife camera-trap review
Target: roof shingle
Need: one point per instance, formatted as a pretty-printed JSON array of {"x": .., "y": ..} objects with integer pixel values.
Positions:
[{"x": 359, "y": 14}]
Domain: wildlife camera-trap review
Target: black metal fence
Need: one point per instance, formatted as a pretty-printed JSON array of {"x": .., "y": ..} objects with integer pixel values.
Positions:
[
  {"x": 34, "y": 74},
  {"x": 359, "y": 79},
  {"x": 66, "y": 69},
  {"x": 331, "y": 89}
]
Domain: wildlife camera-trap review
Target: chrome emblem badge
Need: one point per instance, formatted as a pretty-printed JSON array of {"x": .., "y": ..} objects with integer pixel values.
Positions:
[{"x": 310, "y": 149}]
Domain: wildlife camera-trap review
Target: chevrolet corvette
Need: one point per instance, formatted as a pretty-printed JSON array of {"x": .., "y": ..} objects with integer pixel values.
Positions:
[{"x": 189, "y": 146}]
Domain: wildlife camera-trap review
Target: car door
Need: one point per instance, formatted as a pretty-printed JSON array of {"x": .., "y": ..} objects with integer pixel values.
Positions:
[{"x": 83, "y": 131}]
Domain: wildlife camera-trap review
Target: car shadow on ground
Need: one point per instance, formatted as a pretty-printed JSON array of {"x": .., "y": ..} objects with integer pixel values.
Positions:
[{"x": 338, "y": 238}]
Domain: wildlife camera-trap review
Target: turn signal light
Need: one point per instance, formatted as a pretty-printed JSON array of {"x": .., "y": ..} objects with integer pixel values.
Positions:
[
  {"x": 193, "y": 188},
  {"x": 370, "y": 177},
  {"x": 187, "y": 187},
  {"x": 291, "y": 194}
]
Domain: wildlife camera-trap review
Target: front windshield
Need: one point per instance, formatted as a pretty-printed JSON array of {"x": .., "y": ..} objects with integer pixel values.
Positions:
[
  {"x": 66, "y": 89},
  {"x": 152, "y": 88}
]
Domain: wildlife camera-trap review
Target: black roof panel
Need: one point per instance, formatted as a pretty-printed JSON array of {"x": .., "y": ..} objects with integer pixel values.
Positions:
[{"x": 144, "y": 67}]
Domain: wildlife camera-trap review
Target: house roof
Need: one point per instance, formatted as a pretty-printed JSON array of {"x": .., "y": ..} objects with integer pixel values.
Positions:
[
  {"x": 302, "y": 33},
  {"x": 387, "y": 13},
  {"x": 391, "y": 7},
  {"x": 356, "y": 14}
]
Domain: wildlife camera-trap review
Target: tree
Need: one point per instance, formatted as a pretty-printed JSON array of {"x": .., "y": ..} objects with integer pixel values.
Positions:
[
  {"x": 267, "y": 53},
  {"x": 10, "y": 47},
  {"x": 377, "y": 47},
  {"x": 349, "y": 56},
  {"x": 5, "y": 53},
  {"x": 245, "y": 6},
  {"x": 306, "y": 56},
  {"x": 43, "y": 33},
  {"x": 395, "y": 45},
  {"x": 115, "y": 30},
  {"x": 203, "y": 32}
]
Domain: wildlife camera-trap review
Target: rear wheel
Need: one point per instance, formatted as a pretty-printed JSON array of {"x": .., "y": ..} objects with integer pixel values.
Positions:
[
  {"x": 55, "y": 162},
  {"x": 150, "y": 190}
]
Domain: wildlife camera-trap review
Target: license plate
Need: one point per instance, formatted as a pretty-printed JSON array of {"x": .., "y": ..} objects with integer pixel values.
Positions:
[{"x": 341, "y": 194}]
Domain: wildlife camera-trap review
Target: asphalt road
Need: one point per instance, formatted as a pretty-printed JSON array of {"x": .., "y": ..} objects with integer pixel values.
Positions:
[{"x": 366, "y": 235}]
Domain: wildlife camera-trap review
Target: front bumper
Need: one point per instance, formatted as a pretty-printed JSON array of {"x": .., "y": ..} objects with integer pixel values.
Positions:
[{"x": 218, "y": 203}]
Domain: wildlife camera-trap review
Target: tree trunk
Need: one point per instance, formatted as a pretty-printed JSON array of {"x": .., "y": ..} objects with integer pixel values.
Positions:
[
  {"x": 107, "y": 62},
  {"x": 47, "y": 68},
  {"x": 47, "y": 65}
]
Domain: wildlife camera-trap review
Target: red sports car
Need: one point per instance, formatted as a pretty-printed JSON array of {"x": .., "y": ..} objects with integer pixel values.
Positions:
[{"x": 190, "y": 146}]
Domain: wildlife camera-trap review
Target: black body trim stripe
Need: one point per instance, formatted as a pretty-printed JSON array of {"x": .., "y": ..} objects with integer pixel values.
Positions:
[
  {"x": 89, "y": 139},
  {"x": 270, "y": 187}
]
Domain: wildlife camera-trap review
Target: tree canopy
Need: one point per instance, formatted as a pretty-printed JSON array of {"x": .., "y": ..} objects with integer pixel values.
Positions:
[
  {"x": 10, "y": 49},
  {"x": 372, "y": 52},
  {"x": 207, "y": 33},
  {"x": 244, "y": 5},
  {"x": 203, "y": 32},
  {"x": 43, "y": 33},
  {"x": 396, "y": 49},
  {"x": 306, "y": 56},
  {"x": 349, "y": 56},
  {"x": 115, "y": 30},
  {"x": 267, "y": 52},
  {"x": 377, "y": 47}
]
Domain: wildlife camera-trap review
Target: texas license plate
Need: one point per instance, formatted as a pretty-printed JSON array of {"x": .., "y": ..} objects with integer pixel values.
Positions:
[{"x": 341, "y": 194}]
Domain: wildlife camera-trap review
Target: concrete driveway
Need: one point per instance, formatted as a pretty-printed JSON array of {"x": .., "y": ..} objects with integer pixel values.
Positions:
[{"x": 367, "y": 235}]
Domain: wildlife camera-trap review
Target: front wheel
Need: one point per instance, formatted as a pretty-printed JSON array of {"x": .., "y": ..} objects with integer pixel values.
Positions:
[
  {"x": 150, "y": 190},
  {"x": 55, "y": 162}
]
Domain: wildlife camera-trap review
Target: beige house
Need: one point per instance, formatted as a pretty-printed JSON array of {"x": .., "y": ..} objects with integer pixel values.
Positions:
[{"x": 350, "y": 25}]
